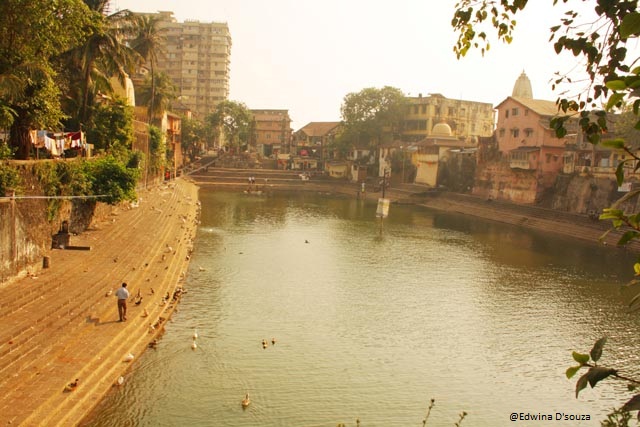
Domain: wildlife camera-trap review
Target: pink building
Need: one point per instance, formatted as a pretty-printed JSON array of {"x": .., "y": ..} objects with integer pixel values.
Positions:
[{"x": 528, "y": 145}]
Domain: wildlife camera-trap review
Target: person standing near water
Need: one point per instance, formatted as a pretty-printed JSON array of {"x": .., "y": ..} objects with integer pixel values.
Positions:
[{"x": 123, "y": 294}]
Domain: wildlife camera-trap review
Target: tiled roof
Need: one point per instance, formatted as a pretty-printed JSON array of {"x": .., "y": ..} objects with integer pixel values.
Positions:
[
  {"x": 262, "y": 116},
  {"x": 539, "y": 106},
  {"x": 318, "y": 128}
]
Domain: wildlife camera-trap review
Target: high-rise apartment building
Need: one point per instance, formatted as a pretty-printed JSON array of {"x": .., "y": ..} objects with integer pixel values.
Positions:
[{"x": 197, "y": 59}]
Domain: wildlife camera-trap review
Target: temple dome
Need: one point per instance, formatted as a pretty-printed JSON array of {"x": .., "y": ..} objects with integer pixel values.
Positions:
[
  {"x": 441, "y": 129},
  {"x": 522, "y": 88}
]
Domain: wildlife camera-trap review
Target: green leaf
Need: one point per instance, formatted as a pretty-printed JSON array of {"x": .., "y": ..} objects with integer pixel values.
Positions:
[
  {"x": 581, "y": 383},
  {"x": 596, "y": 351},
  {"x": 632, "y": 404},
  {"x": 633, "y": 304},
  {"x": 616, "y": 85},
  {"x": 630, "y": 25},
  {"x": 598, "y": 373},
  {"x": 608, "y": 213},
  {"x": 616, "y": 143},
  {"x": 627, "y": 237},
  {"x": 580, "y": 358},
  {"x": 614, "y": 100},
  {"x": 620, "y": 173},
  {"x": 572, "y": 371}
]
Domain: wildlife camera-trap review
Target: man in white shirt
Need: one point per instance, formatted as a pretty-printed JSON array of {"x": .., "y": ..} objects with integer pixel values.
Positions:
[{"x": 123, "y": 294}]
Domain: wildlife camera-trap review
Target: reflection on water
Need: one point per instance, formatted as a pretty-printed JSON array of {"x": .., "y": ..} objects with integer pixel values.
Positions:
[{"x": 372, "y": 324}]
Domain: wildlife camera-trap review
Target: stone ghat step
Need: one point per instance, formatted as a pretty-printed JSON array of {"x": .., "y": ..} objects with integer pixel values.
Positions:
[
  {"x": 21, "y": 322},
  {"x": 45, "y": 362},
  {"x": 546, "y": 220},
  {"x": 62, "y": 319}
]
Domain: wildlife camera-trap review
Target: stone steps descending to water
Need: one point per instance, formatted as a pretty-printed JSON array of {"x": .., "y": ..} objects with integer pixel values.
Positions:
[
  {"x": 66, "y": 328},
  {"x": 547, "y": 220}
]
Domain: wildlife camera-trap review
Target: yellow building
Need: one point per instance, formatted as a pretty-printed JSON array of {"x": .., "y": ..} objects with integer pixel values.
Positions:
[
  {"x": 432, "y": 150},
  {"x": 467, "y": 119}
]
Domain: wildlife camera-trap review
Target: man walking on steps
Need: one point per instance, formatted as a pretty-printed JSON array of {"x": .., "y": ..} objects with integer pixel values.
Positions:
[{"x": 122, "y": 294}]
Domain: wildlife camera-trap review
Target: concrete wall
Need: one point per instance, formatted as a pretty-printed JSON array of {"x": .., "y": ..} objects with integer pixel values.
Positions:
[
  {"x": 25, "y": 229},
  {"x": 584, "y": 194},
  {"x": 496, "y": 180}
]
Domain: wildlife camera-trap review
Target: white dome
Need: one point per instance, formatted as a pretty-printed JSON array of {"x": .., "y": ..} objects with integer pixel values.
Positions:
[{"x": 441, "y": 129}]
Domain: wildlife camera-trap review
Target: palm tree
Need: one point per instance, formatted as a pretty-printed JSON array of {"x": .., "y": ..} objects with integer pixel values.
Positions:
[
  {"x": 104, "y": 54},
  {"x": 149, "y": 44},
  {"x": 157, "y": 94}
]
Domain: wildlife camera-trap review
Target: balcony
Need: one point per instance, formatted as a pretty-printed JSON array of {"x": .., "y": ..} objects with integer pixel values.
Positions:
[{"x": 520, "y": 164}]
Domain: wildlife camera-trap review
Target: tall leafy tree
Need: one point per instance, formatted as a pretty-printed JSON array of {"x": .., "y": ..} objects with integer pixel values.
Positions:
[
  {"x": 112, "y": 126},
  {"x": 371, "y": 114},
  {"x": 193, "y": 134},
  {"x": 157, "y": 149},
  {"x": 32, "y": 32},
  {"x": 233, "y": 119},
  {"x": 149, "y": 43},
  {"x": 157, "y": 94}
]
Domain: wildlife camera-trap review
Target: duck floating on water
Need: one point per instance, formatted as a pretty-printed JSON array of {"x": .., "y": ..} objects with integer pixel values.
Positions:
[{"x": 246, "y": 402}]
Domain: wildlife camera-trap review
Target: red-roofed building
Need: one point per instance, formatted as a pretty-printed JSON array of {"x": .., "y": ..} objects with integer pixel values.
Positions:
[
  {"x": 312, "y": 141},
  {"x": 532, "y": 155}
]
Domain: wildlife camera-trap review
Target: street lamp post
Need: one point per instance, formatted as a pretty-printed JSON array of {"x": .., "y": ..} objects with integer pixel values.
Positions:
[
  {"x": 402, "y": 150},
  {"x": 384, "y": 182}
]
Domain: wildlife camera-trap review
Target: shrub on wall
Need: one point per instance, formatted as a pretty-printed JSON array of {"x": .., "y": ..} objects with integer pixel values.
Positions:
[
  {"x": 107, "y": 178},
  {"x": 112, "y": 180},
  {"x": 9, "y": 179}
]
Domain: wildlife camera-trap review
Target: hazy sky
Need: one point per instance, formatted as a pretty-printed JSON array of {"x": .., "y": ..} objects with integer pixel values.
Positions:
[{"x": 306, "y": 55}]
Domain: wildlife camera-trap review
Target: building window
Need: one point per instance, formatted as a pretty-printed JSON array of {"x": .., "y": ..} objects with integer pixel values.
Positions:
[
  {"x": 526, "y": 112},
  {"x": 451, "y": 111},
  {"x": 415, "y": 109},
  {"x": 506, "y": 114},
  {"x": 528, "y": 132},
  {"x": 501, "y": 133},
  {"x": 514, "y": 111},
  {"x": 515, "y": 132},
  {"x": 424, "y": 109}
]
